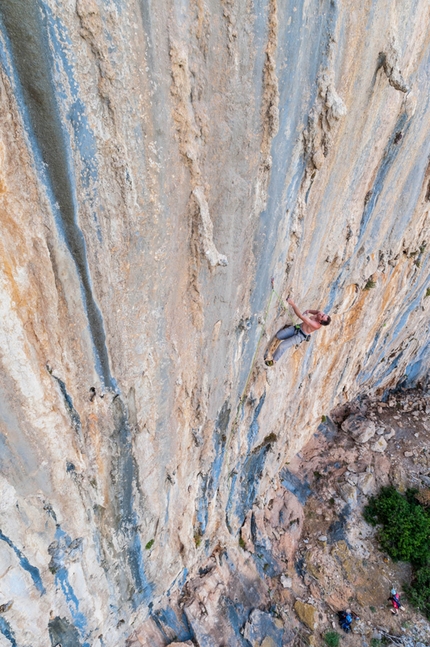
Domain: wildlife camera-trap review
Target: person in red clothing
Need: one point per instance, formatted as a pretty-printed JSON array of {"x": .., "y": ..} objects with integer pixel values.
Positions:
[{"x": 395, "y": 601}]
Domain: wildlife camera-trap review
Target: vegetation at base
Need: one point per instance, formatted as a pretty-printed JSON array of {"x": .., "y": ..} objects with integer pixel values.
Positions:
[
  {"x": 418, "y": 592},
  {"x": 404, "y": 533},
  {"x": 405, "y": 525},
  {"x": 331, "y": 638}
]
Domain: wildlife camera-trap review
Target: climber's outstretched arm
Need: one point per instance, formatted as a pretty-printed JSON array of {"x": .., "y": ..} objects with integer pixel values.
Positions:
[{"x": 310, "y": 322}]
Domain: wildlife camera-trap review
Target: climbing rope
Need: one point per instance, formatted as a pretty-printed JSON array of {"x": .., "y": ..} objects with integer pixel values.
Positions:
[{"x": 280, "y": 300}]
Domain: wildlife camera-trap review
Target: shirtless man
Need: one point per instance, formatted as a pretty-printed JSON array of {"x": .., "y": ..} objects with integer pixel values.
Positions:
[{"x": 294, "y": 335}]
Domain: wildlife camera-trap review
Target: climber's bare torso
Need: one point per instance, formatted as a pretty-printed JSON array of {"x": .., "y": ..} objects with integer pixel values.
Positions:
[
  {"x": 292, "y": 335},
  {"x": 312, "y": 322},
  {"x": 312, "y": 319}
]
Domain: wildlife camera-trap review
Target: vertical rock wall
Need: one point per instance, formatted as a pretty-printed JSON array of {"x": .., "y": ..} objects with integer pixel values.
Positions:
[{"x": 160, "y": 162}]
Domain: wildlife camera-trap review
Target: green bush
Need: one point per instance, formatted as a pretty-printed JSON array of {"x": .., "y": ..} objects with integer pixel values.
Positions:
[
  {"x": 405, "y": 525},
  {"x": 418, "y": 592},
  {"x": 405, "y": 535},
  {"x": 331, "y": 638}
]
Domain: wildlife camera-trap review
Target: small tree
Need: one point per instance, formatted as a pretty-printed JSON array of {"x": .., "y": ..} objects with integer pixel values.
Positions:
[
  {"x": 405, "y": 525},
  {"x": 418, "y": 592},
  {"x": 404, "y": 534}
]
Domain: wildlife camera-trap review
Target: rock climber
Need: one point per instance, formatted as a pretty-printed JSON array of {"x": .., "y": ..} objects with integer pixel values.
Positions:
[
  {"x": 294, "y": 335},
  {"x": 395, "y": 601}
]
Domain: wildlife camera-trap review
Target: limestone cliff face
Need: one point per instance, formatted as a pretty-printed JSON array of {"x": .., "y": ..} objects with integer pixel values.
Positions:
[{"x": 160, "y": 162}]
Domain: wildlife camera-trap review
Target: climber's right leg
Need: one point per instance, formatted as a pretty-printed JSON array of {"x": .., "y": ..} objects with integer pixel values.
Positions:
[
  {"x": 286, "y": 333},
  {"x": 288, "y": 342}
]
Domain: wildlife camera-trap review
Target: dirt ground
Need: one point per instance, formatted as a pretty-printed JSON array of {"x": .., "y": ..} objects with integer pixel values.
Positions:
[{"x": 338, "y": 564}]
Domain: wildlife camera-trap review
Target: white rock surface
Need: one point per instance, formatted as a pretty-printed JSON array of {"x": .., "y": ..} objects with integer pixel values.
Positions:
[
  {"x": 380, "y": 445},
  {"x": 366, "y": 483},
  {"x": 286, "y": 582},
  {"x": 142, "y": 146},
  {"x": 348, "y": 493},
  {"x": 360, "y": 427}
]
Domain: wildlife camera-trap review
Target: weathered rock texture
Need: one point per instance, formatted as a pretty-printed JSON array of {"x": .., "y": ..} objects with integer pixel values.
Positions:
[{"x": 160, "y": 162}]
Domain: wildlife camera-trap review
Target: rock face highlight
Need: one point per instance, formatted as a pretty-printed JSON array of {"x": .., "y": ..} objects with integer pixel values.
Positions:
[{"x": 159, "y": 164}]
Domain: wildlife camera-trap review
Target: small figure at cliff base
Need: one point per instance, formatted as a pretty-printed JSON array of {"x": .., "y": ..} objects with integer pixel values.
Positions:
[
  {"x": 293, "y": 335},
  {"x": 395, "y": 601},
  {"x": 346, "y": 618}
]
